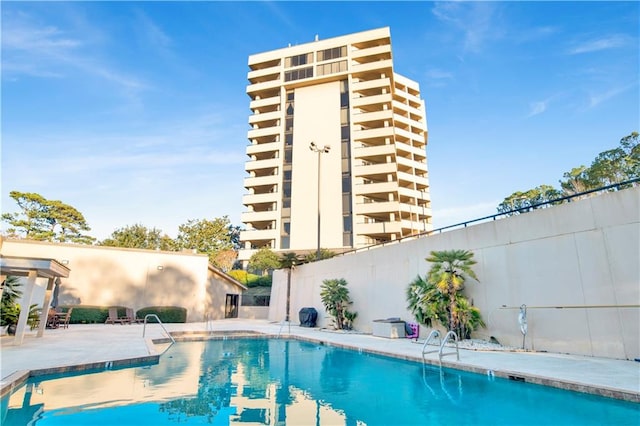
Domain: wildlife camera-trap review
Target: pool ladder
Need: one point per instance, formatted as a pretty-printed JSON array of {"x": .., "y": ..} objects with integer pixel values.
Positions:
[
  {"x": 435, "y": 334},
  {"x": 144, "y": 328},
  {"x": 282, "y": 326}
]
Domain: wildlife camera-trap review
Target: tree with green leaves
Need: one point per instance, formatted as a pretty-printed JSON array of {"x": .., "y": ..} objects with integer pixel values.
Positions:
[
  {"x": 618, "y": 164},
  {"x": 520, "y": 202},
  {"x": 335, "y": 298},
  {"x": 46, "y": 220},
  {"x": 140, "y": 237},
  {"x": 210, "y": 237},
  {"x": 289, "y": 261},
  {"x": 439, "y": 298},
  {"x": 630, "y": 144},
  {"x": 575, "y": 181},
  {"x": 225, "y": 259},
  {"x": 264, "y": 260},
  {"x": 324, "y": 254},
  {"x": 234, "y": 236},
  {"x": 610, "y": 167},
  {"x": 31, "y": 221}
]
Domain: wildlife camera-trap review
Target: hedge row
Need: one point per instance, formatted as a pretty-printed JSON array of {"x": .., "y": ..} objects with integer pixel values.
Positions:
[
  {"x": 84, "y": 314},
  {"x": 165, "y": 313}
]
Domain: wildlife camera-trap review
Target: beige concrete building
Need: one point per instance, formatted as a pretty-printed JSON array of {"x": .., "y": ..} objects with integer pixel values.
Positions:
[
  {"x": 336, "y": 147},
  {"x": 134, "y": 278}
]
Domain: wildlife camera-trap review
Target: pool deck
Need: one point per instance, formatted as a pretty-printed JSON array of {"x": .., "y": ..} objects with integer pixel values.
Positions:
[{"x": 87, "y": 346}]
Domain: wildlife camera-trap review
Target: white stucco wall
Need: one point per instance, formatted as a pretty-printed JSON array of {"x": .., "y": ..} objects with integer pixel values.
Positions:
[
  {"x": 106, "y": 276},
  {"x": 253, "y": 312},
  {"x": 316, "y": 119},
  {"x": 583, "y": 253}
]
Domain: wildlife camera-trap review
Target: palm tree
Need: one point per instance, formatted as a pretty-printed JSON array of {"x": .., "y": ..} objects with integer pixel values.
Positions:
[
  {"x": 335, "y": 298},
  {"x": 9, "y": 308},
  {"x": 468, "y": 316},
  {"x": 427, "y": 304},
  {"x": 288, "y": 261},
  {"x": 448, "y": 273}
]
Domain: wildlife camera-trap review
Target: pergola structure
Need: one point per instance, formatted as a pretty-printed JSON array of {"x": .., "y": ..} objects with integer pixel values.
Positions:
[{"x": 32, "y": 268}]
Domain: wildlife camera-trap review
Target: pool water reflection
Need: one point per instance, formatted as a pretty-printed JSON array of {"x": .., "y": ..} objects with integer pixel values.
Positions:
[{"x": 262, "y": 381}]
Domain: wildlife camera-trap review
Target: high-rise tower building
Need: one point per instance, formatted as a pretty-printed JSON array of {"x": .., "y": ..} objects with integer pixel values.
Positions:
[{"x": 337, "y": 144}]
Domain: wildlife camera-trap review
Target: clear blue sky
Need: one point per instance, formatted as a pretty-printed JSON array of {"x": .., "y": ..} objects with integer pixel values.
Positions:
[{"x": 137, "y": 112}]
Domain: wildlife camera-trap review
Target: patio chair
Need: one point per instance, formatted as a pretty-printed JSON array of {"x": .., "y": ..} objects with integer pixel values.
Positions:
[
  {"x": 114, "y": 318},
  {"x": 64, "y": 318},
  {"x": 132, "y": 316},
  {"x": 36, "y": 321},
  {"x": 52, "y": 319}
]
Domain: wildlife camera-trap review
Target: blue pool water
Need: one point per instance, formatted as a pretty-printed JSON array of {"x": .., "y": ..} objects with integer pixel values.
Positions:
[{"x": 262, "y": 381}]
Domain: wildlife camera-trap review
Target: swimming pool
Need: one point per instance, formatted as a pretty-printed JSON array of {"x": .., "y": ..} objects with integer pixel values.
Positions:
[{"x": 275, "y": 381}]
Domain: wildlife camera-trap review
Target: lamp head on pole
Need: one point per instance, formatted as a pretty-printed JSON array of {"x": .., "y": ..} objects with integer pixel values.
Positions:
[{"x": 315, "y": 148}]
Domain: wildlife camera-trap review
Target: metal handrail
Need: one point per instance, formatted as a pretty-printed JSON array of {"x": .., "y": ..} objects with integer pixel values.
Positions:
[
  {"x": 568, "y": 198},
  {"x": 282, "y": 325},
  {"x": 573, "y": 307},
  {"x": 444, "y": 342},
  {"x": 159, "y": 322},
  {"x": 435, "y": 334}
]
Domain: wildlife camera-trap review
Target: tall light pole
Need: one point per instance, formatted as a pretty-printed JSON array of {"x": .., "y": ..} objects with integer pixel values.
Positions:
[
  {"x": 319, "y": 150},
  {"x": 424, "y": 219}
]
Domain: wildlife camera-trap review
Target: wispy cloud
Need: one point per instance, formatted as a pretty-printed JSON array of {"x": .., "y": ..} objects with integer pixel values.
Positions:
[
  {"x": 153, "y": 36},
  {"x": 474, "y": 19},
  {"x": 438, "y": 78},
  {"x": 14, "y": 69},
  {"x": 540, "y": 106},
  {"x": 596, "y": 99},
  {"x": 43, "y": 40},
  {"x": 47, "y": 51},
  {"x": 275, "y": 9},
  {"x": 439, "y": 74},
  {"x": 181, "y": 146},
  {"x": 536, "y": 108},
  {"x": 532, "y": 34},
  {"x": 594, "y": 45}
]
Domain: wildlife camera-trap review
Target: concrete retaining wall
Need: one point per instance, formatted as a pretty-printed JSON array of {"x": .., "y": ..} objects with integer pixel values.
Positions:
[{"x": 576, "y": 267}]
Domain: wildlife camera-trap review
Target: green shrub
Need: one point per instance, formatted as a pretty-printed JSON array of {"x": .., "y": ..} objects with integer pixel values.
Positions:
[
  {"x": 9, "y": 308},
  {"x": 167, "y": 314},
  {"x": 259, "y": 281},
  {"x": 91, "y": 314},
  {"x": 10, "y": 314},
  {"x": 98, "y": 314},
  {"x": 239, "y": 275},
  {"x": 250, "y": 280},
  {"x": 34, "y": 316}
]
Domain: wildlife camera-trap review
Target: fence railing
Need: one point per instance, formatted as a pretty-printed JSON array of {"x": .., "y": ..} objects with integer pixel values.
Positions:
[{"x": 555, "y": 201}]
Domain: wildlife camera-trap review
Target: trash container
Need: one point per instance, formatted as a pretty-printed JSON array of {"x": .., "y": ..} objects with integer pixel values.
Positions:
[{"x": 308, "y": 317}]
